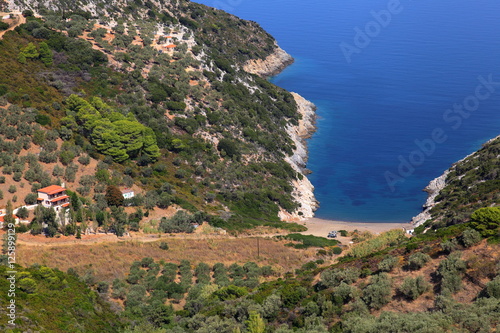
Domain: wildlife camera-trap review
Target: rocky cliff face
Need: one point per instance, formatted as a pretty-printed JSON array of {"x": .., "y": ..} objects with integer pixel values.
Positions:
[
  {"x": 272, "y": 65},
  {"x": 433, "y": 189},
  {"x": 303, "y": 189}
]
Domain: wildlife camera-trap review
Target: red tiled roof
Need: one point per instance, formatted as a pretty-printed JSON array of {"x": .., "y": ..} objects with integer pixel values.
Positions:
[
  {"x": 60, "y": 198},
  {"x": 52, "y": 189},
  {"x": 65, "y": 205},
  {"x": 127, "y": 190},
  {"x": 171, "y": 46}
]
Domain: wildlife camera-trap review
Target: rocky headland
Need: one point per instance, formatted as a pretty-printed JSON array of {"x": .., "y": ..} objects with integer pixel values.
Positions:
[{"x": 272, "y": 65}]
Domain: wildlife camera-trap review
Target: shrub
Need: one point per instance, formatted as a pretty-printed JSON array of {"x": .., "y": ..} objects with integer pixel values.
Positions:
[
  {"x": 471, "y": 237},
  {"x": 333, "y": 277},
  {"x": 418, "y": 260},
  {"x": 450, "y": 272},
  {"x": 378, "y": 292},
  {"x": 449, "y": 246},
  {"x": 30, "y": 198},
  {"x": 413, "y": 288},
  {"x": 493, "y": 288},
  {"x": 344, "y": 292},
  {"x": 180, "y": 222},
  {"x": 3, "y": 26},
  {"x": 230, "y": 147},
  {"x": 388, "y": 264},
  {"x": 12, "y": 189},
  {"x": 84, "y": 160},
  {"x": 336, "y": 250},
  {"x": 164, "y": 246}
]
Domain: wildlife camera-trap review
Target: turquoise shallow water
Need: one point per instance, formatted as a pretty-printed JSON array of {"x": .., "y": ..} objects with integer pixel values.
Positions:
[{"x": 388, "y": 122}]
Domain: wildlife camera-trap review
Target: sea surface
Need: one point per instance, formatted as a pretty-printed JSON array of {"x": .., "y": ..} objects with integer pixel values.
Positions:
[{"x": 393, "y": 82}]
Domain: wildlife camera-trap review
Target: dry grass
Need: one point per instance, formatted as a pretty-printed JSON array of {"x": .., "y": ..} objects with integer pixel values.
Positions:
[{"x": 112, "y": 260}]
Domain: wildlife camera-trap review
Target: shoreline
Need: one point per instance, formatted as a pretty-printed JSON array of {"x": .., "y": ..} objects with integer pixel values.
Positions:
[
  {"x": 321, "y": 227},
  {"x": 303, "y": 190},
  {"x": 435, "y": 187}
]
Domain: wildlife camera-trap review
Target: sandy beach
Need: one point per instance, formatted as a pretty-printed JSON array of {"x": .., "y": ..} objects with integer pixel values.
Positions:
[{"x": 321, "y": 228}]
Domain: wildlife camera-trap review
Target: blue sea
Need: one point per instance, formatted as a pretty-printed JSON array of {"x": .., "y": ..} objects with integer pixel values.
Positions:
[{"x": 403, "y": 89}]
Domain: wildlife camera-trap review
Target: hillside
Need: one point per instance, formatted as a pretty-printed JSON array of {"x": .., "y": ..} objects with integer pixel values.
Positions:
[
  {"x": 48, "y": 300},
  {"x": 445, "y": 280},
  {"x": 153, "y": 96},
  {"x": 159, "y": 97},
  {"x": 467, "y": 186}
]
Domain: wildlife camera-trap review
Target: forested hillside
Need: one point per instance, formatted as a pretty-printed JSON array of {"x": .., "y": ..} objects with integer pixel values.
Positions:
[
  {"x": 145, "y": 95},
  {"x": 471, "y": 184}
]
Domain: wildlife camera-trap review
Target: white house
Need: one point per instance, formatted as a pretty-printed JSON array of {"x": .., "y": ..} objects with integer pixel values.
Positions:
[
  {"x": 128, "y": 193},
  {"x": 53, "y": 196}
]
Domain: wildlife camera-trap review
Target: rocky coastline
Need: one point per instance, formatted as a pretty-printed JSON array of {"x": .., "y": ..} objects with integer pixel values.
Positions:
[
  {"x": 435, "y": 186},
  {"x": 303, "y": 191},
  {"x": 274, "y": 63}
]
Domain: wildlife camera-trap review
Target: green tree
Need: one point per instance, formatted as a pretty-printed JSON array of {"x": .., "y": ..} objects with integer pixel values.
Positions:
[
  {"x": 9, "y": 218},
  {"x": 46, "y": 54},
  {"x": 22, "y": 213},
  {"x": 255, "y": 323},
  {"x": 27, "y": 285},
  {"x": 486, "y": 220},
  {"x": 30, "y": 51}
]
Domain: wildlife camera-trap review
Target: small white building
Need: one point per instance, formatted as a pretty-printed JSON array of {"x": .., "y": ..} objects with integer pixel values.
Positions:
[
  {"x": 128, "y": 193},
  {"x": 53, "y": 196}
]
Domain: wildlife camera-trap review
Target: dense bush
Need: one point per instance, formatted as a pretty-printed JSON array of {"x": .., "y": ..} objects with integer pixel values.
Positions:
[
  {"x": 450, "y": 272},
  {"x": 418, "y": 260},
  {"x": 378, "y": 291},
  {"x": 412, "y": 288},
  {"x": 180, "y": 222},
  {"x": 388, "y": 264}
]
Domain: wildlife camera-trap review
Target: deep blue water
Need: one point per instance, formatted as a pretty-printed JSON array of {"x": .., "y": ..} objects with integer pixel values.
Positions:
[{"x": 396, "y": 89}]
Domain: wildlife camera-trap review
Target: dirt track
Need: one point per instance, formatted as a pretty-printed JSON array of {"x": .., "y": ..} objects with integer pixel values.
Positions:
[{"x": 20, "y": 19}]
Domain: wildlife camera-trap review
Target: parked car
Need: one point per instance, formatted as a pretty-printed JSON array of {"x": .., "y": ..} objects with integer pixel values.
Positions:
[{"x": 332, "y": 234}]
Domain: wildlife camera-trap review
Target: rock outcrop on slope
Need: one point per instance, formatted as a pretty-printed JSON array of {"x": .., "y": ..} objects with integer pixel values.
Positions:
[
  {"x": 272, "y": 65},
  {"x": 435, "y": 186}
]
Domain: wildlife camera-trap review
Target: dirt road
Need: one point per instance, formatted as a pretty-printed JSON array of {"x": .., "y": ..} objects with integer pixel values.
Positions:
[{"x": 17, "y": 21}]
